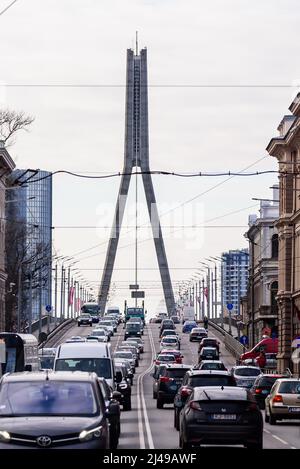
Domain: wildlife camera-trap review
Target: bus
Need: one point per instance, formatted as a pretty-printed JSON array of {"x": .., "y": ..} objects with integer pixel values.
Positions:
[
  {"x": 18, "y": 352},
  {"x": 93, "y": 309}
]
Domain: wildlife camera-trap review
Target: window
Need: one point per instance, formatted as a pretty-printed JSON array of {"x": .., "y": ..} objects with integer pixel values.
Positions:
[
  {"x": 274, "y": 289},
  {"x": 274, "y": 242}
]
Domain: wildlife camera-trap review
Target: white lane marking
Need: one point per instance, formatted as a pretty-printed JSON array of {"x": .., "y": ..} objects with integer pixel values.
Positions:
[
  {"x": 267, "y": 431},
  {"x": 279, "y": 439},
  {"x": 293, "y": 447},
  {"x": 142, "y": 409}
]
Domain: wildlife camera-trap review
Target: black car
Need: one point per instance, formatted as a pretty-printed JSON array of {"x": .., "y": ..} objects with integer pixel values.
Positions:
[
  {"x": 169, "y": 381},
  {"x": 196, "y": 378},
  {"x": 158, "y": 369},
  {"x": 208, "y": 353},
  {"x": 166, "y": 324},
  {"x": 127, "y": 368},
  {"x": 123, "y": 386},
  {"x": 84, "y": 320},
  {"x": 262, "y": 386},
  {"x": 132, "y": 329},
  {"x": 221, "y": 415},
  {"x": 175, "y": 319},
  {"x": 53, "y": 410},
  {"x": 112, "y": 399}
]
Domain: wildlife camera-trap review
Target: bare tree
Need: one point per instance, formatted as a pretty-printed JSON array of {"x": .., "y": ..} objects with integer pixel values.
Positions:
[{"x": 11, "y": 122}]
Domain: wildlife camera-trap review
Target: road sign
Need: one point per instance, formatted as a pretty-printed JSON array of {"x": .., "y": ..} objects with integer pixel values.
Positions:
[
  {"x": 229, "y": 306},
  {"x": 134, "y": 287},
  {"x": 244, "y": 339},
  {"x": 48, "y": 308},
  {"x": 137, "y": 294}
]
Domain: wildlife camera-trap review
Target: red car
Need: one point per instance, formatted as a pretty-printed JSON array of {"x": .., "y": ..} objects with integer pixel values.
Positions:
[{"x": 176, "y": 353}]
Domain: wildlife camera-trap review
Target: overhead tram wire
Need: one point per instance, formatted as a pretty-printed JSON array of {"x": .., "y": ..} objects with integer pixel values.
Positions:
[{"x": 7, "y": 8}]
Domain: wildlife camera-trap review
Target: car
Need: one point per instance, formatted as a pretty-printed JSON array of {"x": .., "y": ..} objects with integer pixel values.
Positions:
[
  {"x": 88, "y": 356},
  {"x": 112, "y": 403},
  {"x": 208, "y": 353},
  {"x": 164, "y": 358},
  {"x": 196, "y": 378},
  {"x": 262, "y": 386},
  {"x": 175, "y": 319},
  {"x": 139, "y": 320},
  {"x": 125, "y": 354},
  {"x": 168, "y": 383},
  {"x": 84, "y": 319},
  {"x": 268, "y": 345},
  {"x": 109, "y": 326},
  {"x": 177, "y": 354},
  {"x": 169, "y": 332},
  {"x": 74, "y": 415},
  {"x": 209, "y": 342},
  {"x": 283, "y": 402},
  {"x": 47, "y": 357},
  {"x": 106, "y": 329},
  {"x": 132, "y": 329},
  {"x": 130, "y": 344},
  {"x": 76, "y": 338},
  {"x": 127, "y": 366},
  {"x": 169, "y": 342},
  {"x": 197, "y": 334},
  {"x": 188, "y": 326},
  {"x": 211, "y": 365},
  {"x": 130, "y": 349},
  {"x": 101, "y": 334},
  {"x": 166, "y": 324},
  {"x": 245, "y": 375},
  {"x": 158, "y": 369},
  {"x": 123, "y": 386},
  {"x": 138, "y": 341},
  {"x": 221, "y": 415}
]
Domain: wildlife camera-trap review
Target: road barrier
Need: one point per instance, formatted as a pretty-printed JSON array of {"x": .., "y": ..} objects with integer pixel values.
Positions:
[
  {"x": 58, "y": 332},
  {"x": 231, "y": 344}
]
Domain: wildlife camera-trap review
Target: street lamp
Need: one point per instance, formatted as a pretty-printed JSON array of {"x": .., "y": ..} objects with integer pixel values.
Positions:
[{"x": 208, "y": 296}]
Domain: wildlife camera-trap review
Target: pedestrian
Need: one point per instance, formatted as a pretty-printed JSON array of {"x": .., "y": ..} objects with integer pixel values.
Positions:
[{"x": 205, "y": 322}]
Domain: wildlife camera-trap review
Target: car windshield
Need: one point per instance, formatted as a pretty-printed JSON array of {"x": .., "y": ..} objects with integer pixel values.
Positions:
[
  {"x": 166, "y": 358},
  {"x": 133, "y": 326},
  {"x": 212, "y": 366},
  {"x": 106, "y": 323},
  {"x": 290, "y": 387},
  {"x": 100, "y": 366},
  {"x": 211, "y": 381},
  {"x": 247, "y": 372},
  {"x": 91, "y": 309},
  {"x": 169, "y": 340},
  {"x": 124, "y": 355},
  {"x": 98, "y": 332},
  {"x": 84, "y": 316},
  {"x": 47, "y": 398}
]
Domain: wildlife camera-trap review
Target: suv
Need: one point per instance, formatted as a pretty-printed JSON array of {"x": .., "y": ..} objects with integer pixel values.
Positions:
[
  {"x": 123, "y": 386},
  {"x": 208, "y": 342},
  {"x": 84, "y": 320},
  {"x": 132, "y": 329},
  {"x": 188, "y": 326},
  {"x": 197, "y": 334},
  {"x": 169, "y": 381},
  {"x": 166, "y": 324},
  {"x": 208, "y": 353},
  {"x": 198, "y": 378},
  {"x": 262, "y": 387}
]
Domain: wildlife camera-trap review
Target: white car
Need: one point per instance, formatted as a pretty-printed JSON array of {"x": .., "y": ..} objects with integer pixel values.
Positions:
[
  {"x": 101, "y": 335},
  {"x": 170, "y": 342},
  {"x": 107, "y": 325},
  {"x": 245, "y": 375}
]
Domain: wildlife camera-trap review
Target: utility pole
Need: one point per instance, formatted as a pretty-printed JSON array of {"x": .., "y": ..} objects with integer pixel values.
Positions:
[
  {"x": 55, "y": 295},
  {"x": 40, "y": 300},
  {"x": 30, "y": 304},
  {"x": 68, "y": 293},
  {"x": 19, "y": 297}
]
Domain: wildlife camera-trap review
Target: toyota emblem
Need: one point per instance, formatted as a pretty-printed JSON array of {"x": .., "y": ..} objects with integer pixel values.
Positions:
[{"x": 44, "y": 441}]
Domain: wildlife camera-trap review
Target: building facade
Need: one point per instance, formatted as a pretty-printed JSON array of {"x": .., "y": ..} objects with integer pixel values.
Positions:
[
  {"x": 263, "y": 271},
  {"x": 286, "y": 149},
  {"x": 234, "y": 278},
  {"x": 6, "y": 167},
  {"x": 29, "y": 211}
]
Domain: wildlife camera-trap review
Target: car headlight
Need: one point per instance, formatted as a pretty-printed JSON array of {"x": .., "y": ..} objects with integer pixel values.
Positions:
[
  {"x": 4, "y": 436},
  {"x": 86, "y": 435}
]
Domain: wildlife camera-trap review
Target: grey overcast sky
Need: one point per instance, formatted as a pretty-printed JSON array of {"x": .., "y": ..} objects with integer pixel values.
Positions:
[{"x": 191, "y": 42}]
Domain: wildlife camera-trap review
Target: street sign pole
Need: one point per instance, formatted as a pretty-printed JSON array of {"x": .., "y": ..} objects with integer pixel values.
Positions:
[{"x": 229, "y": 307}]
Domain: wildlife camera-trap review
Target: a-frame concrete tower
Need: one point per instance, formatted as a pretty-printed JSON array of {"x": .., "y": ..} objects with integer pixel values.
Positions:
[{"x": 136, "y": 155}]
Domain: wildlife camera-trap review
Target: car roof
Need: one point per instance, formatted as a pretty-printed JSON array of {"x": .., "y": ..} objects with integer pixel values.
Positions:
[
  {"x": 211, "y": 361},
  {"x": 283, "y": 380},
  {"x": 227, "y": 393},
  {"x": 207, "y": 348},
  {"x": 238, "y": 367},
  {"x": 83, "y": 350},
  {"x": 50, "y": 376},
  {"x": 179, "y": 366}
]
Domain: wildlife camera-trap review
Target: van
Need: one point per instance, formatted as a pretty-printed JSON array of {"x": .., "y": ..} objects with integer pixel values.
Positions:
[
  {"x": 188, "y": 314},
  {"x": 88, "y": 356},
  {"x": 267, "y": 345}
]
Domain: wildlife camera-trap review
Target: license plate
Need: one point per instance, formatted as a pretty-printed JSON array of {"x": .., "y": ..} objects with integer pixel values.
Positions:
[
  {"x": 264, "y": 391},
  {"x": 294, "y": 409},
  {"x": 173, "y": 387},
  {"x": 223, "y": 416}
]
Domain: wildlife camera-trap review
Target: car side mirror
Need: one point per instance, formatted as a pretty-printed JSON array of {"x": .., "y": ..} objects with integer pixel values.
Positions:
[
  {"x": 118, "y": 377},
  {"x": 28, "y": 368}
]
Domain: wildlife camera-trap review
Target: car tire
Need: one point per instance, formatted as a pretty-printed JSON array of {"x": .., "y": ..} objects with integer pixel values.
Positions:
[
  {"x": 267, "y": 418},
  {"x": 159, "y": 403},
  {"x": 154, "y": 395},
  {"x": 127, "y": 404},
  {"x": 272, "y": 419},
  {"x": 78, "y": 325},
  {"x": 176, "y": 420}
]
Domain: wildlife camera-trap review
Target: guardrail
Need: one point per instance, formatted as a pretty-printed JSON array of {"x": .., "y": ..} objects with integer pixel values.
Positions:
[
  {"x": 57, "y": 332},
  {"x": 231, "y": 344}
]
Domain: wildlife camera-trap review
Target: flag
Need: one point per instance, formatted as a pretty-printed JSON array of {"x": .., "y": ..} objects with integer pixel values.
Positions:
[
  {"x": 71, "y": 295},
  {"x": 206, "y": 292}
]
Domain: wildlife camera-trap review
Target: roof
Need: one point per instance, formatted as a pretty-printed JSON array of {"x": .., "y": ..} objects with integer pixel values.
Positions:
[
  {"x": 216, "y": 393},
  {"x": 209, "y": 373},
  {"x": 178, "y": 365},
  {"x": 52, "y": 376},
  {"x": 83, "y": 350}
]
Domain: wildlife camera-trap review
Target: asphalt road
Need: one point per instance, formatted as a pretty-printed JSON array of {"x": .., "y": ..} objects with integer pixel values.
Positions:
[{"x": 145, "y": 426}]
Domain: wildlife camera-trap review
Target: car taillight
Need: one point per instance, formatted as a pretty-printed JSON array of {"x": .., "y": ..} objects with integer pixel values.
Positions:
[
  {"x": 195, "y": 405},
  {"x": 277, "y": 398},
  {"x": 258, "y": 391},
  {"x": 165, "y": 379},
  {"x": 185, "y": 392}
]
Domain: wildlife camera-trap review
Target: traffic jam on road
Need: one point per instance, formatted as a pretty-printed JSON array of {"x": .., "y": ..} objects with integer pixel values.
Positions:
[{"x": 108, "y": 381}]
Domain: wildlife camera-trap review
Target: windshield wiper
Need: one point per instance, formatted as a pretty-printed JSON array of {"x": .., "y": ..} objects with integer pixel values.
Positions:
[{"x": 209, "y": 398}]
